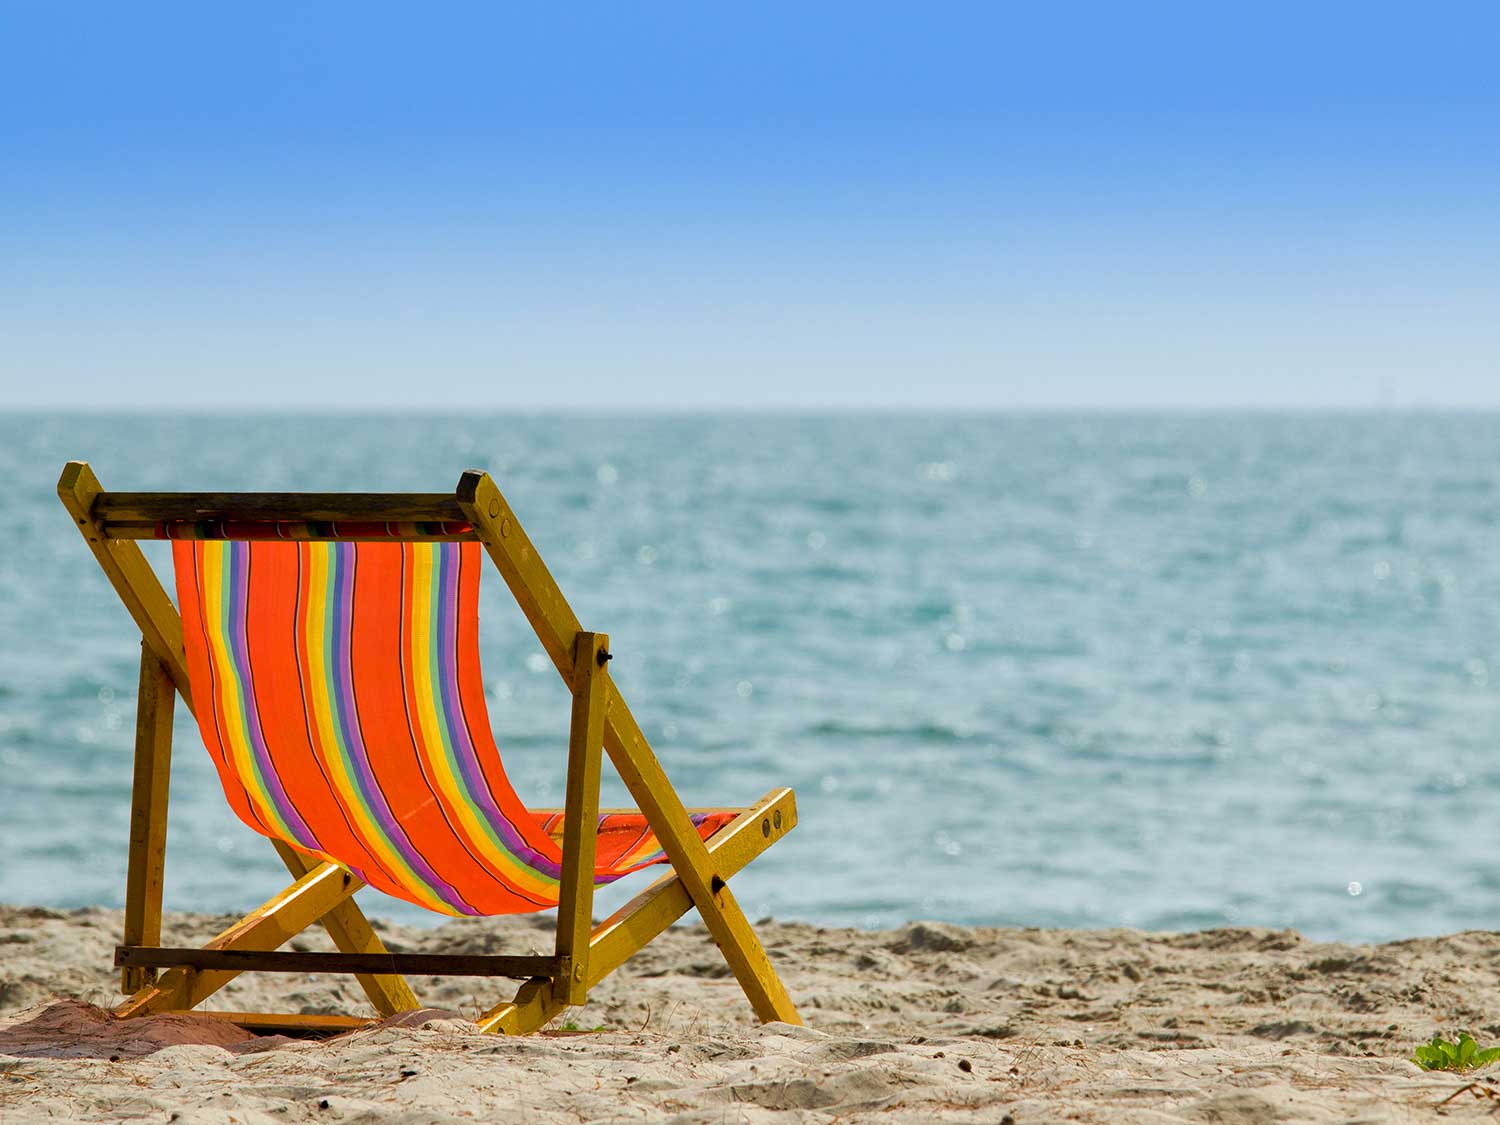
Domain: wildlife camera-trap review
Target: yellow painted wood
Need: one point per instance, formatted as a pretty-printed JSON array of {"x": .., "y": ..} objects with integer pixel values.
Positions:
[
  {"x": 145, "y": 861},
  {"x": 722, "y": 913},
  {"x": 555, "y": 624},
  {"x": 625, "y": 932},
  {"x": 528, "y": 578},
  {"x": 536, "y": 1004},
  {"x": 351, "y": 933},
  {"x": 267, "y": 927},
  {"x": 575, "y": 904},
  {"x": 645, "y": 917},
  {"x": 129, "y": 573}
]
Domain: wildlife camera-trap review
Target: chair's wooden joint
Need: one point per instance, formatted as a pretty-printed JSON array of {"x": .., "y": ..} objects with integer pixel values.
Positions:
[
  {"x": 132, "y": 980},
  {"x": 570, "y": 972}
]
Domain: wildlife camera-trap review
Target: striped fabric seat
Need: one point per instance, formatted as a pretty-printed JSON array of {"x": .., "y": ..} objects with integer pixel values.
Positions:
[{"x": 339, "y": 693}]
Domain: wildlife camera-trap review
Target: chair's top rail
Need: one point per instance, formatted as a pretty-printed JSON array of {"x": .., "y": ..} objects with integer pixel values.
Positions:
[
  {"x": 281, "y": 515},
  {"x": 269, "y": 507}
]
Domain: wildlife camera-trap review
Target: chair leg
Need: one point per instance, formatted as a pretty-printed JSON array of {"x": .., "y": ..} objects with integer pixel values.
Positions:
[
  {"x": 722, "y": 914},
  {"x": 145, "y": 865},
  {"x": 536, "y": 1004},
  {"x": 575, "y": 902},
  {"x": 278, "y": 919},
  {"x": 351, "y": 933},
  {"x": 645, "y": 917}
]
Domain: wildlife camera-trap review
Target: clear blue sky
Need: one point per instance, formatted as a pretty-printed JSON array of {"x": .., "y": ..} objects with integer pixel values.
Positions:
[{"x": 658, "y": 205}]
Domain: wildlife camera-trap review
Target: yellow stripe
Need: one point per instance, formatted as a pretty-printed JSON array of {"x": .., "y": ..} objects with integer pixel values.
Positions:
[
  {"x": 329, "y": 741},
  {"x": 434, "y": 739}
]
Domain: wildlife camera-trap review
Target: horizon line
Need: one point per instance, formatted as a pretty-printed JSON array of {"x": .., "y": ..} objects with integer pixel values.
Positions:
[{"x": 766, "y": 409}]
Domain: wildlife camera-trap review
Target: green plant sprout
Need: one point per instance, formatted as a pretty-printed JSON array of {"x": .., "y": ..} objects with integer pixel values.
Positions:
[{"x": 1464, "y": 1054}]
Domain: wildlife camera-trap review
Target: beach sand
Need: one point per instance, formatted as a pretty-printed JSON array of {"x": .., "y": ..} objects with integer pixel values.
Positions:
[{"x": 930, "y": 1022}]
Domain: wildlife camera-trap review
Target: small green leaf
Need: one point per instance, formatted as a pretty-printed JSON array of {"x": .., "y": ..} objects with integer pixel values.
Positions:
[
  {"x": 1463, "y": 1054},
  {"x": 1429, "y": 1056}
]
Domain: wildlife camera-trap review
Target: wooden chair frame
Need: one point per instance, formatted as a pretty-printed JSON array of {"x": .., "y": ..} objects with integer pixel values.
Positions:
[{"x": 323, "y": 892}]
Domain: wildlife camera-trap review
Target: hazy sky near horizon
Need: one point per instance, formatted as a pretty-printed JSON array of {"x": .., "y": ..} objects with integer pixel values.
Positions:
[{"x": 667, "y": 206}]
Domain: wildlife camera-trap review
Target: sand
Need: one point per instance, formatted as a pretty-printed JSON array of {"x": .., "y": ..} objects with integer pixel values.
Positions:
[{"x": 930, "y": 1022}]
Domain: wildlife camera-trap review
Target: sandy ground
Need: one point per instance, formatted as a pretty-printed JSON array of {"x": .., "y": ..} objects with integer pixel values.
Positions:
[{"x": 927, "y": 1023}]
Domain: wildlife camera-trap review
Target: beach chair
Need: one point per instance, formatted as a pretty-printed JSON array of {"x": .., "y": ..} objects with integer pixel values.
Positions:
[{"x": 327, "y": 646}]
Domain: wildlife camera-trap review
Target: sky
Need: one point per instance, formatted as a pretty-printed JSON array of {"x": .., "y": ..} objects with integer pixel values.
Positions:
[{"x": 658, "y": 206}]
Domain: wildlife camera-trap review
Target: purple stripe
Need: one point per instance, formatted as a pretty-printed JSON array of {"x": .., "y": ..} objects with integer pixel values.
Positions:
[
  {"x": 471, "y": 775},
  {"x": 239, "y": 646},
  {"x": 342, "y": 609}
]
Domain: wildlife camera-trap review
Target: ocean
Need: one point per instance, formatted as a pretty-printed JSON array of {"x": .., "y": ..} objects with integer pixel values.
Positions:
[{"x": 1162, "y": 671}]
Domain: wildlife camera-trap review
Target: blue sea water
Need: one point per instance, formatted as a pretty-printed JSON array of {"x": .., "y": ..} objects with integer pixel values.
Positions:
[{"x": 1067, "y": 670}]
